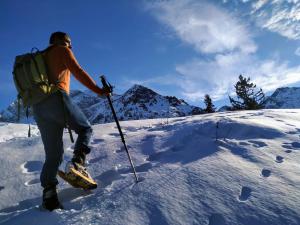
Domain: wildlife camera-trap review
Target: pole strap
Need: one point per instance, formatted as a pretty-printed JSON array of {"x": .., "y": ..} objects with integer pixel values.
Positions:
[{"x": 29, "y": 127}]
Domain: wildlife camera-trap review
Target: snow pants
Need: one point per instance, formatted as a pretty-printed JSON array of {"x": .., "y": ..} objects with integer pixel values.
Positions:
[{"x": 52, "y": 115}]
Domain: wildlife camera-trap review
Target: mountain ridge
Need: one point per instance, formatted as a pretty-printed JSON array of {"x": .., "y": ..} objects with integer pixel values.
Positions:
[
  {"x": 138, "y": 102},
  {"x": 284, "y": 98}
]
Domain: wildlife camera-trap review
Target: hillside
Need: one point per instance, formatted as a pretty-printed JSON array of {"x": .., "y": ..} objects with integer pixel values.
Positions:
[{"x": 224, "y": 168}]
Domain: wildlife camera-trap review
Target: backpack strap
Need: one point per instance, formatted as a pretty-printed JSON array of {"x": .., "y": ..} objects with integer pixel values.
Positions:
[
  {"x": 71, "y": 135},
  {"x": 66, "y": 118},
  {"x": 29, "y": 127},
  {"x": 19, "y": 107},
  {"x": 34, "y": 51}
]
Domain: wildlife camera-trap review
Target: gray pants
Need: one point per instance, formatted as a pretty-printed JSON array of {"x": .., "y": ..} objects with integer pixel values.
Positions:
[{"x": 51, "y": 116}]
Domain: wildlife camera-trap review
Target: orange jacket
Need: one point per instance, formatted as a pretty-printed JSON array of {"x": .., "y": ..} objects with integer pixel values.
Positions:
[{"x": 61, "y": 63}]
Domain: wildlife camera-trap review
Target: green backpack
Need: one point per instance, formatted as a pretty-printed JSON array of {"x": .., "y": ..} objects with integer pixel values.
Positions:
[
  {"x": 30, "y": 75},
  {"x": 31, "y": 78}
]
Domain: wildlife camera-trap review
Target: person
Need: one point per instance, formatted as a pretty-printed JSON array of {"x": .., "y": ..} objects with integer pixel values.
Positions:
[{"x": 58, "y": 111}]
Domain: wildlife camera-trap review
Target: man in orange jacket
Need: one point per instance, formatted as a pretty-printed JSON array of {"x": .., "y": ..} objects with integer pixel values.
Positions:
[{"x": 58, "y": 111}]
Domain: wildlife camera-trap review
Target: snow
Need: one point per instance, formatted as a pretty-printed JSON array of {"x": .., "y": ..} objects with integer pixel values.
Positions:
[
  {"x": 222, "y": 168},
  {"x": 284, "y": 98},
  {"x": 10, "y": 131}
]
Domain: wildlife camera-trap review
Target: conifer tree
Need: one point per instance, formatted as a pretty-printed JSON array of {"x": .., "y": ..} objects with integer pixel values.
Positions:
[
  {"x": 210, "y": 108},
  {"x": 248, "y": 97}
]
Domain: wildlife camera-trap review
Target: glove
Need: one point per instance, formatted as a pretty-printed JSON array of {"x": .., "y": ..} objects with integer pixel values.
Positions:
[
  {"x": 103, "y": 91},
  {"x": 106, "y": 91}
]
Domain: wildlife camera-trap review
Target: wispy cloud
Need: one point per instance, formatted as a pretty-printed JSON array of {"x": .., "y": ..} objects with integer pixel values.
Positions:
[
  {"x": 218, "y": 76},
  {"x": 258, "y": 4},
  {"x": 297, "y": 51},
  {"x": 218, "y": 33},
  {"x": 204, "y": 26},
  {"x": 280, "y": 16}
]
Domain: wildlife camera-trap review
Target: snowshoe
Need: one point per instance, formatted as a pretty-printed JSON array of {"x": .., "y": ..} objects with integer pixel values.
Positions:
[{"x": 77, "y": 176}]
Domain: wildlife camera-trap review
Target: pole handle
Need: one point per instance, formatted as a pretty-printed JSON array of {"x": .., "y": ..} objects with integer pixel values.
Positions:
[{"x": 106, "y": 84}]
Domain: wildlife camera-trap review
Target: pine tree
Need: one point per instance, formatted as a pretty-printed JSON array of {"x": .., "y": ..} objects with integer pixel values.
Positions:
[
  {"x": 210, "y": 108},
  {"x": 248, "y": 97}
]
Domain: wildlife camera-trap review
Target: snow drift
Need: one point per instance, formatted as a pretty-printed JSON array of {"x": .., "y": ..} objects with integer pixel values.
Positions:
[{"x": 223, "y": 168}]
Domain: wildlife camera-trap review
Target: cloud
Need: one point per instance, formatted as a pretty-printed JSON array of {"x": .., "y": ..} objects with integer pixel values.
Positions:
[
  {"x": 279, "y": 16},
  {"x": 297, "y": 51},
  {"x": 218, "y": 34},
  {"x": 258, "y": 4},
  {"x": 204, "y": 26},
  {"x": 217, "y": 77}
]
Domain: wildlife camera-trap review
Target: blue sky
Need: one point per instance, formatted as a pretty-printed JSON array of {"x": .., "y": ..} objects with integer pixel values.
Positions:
[{"x": 186, "y": 48}]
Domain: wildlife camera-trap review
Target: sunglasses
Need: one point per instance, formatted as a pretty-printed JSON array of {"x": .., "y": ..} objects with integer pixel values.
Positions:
[{"x": 68, "y": 42}]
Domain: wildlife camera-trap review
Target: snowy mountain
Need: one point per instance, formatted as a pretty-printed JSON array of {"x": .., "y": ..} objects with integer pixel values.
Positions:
[
  {"x": 138, "y": 102},
  {"x": 284, "y": 98},
  {"x": 229, "y": 168}
]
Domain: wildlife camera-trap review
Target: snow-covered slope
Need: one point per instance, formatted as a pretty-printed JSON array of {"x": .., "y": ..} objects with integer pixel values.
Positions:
[
  {"x": 138, "y": 102},
  {"x": 284, "y": 98},
  {"x": 228, "y": 168}
]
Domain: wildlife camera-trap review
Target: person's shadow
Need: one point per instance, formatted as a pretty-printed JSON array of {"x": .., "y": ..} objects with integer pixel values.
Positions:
[{"x": 66, "y": 196}]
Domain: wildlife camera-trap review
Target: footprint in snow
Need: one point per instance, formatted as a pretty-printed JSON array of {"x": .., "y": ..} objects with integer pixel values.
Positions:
[
  {"x": 280, "y": 120},
  {"x": 115, "y": 134},
  {"x": 216, "y": 219},
  {"x": 265, "y": 172},
  {"x": 32, "y": 182},
  {"x": 288, "y": 151},
  {"x": 1, "y": 188},
  {"x": 293, "y": 145},
  {"x": 286, "y": 146},
  {"x": 291, "y": 125},
  {"x": 258, "y": 144},
  {"x": 31, "y": 167},
  {"x": 243, "y": 143},
  {"x": 245, "y": 194},
  {"x": 279, "y": 159},
  {"x": 292, "y": 132}
]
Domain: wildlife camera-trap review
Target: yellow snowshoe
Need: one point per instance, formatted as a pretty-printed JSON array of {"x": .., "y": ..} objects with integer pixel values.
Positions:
[{"x": 77, "y": 176}]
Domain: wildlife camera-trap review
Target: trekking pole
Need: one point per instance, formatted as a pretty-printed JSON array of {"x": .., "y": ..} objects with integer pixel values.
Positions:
[{"x": 108, "y": 85}]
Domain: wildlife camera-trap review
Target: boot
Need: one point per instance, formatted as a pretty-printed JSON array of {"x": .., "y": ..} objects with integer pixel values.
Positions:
[
  {"x": 79, "y": 158},
  {"x": 50, "y": 199}
]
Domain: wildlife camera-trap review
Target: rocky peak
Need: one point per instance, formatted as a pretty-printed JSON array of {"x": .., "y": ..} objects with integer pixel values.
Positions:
[
  {"x": 284, "y": 98},
  {"x": 138, "y": 94},
  {"x": 175, "y": 101}
]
